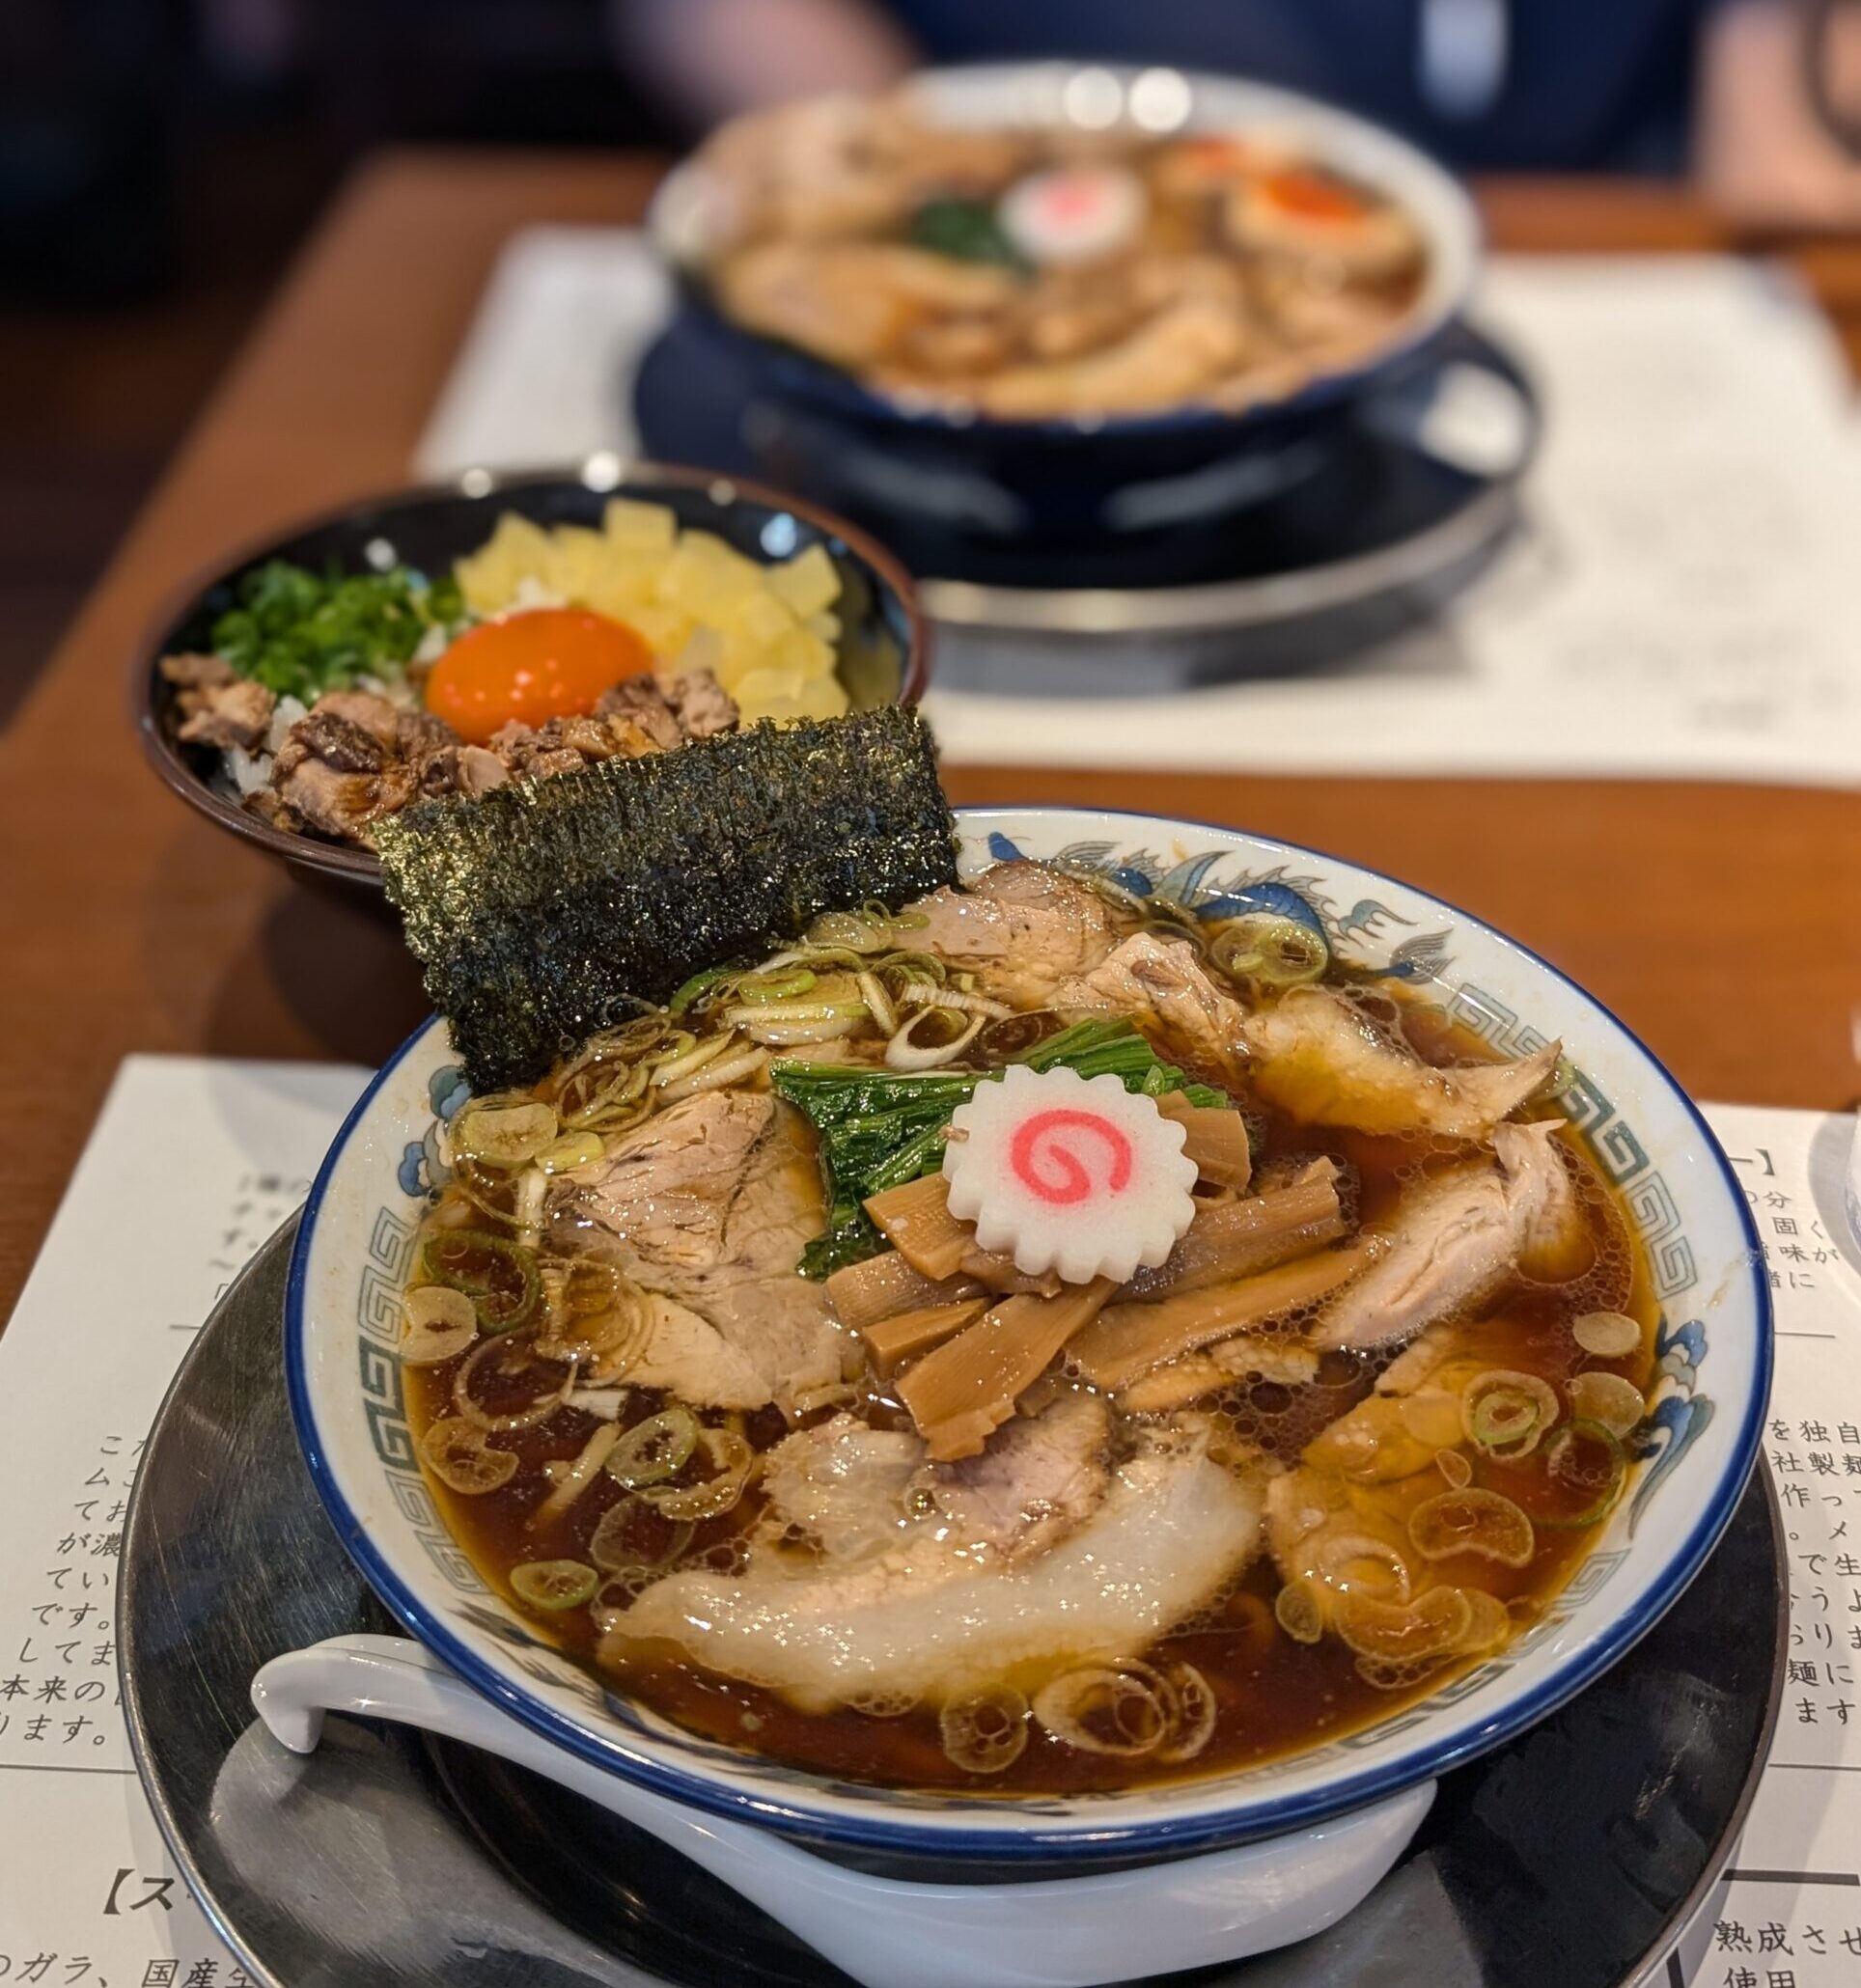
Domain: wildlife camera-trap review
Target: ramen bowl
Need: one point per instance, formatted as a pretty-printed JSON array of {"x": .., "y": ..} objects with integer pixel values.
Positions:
[
  {"x": 1301, "y": 1836},
  {"x": 886, "y": 456}
]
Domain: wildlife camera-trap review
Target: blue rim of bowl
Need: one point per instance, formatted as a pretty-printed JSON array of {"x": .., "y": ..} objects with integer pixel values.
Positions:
[{"x": 1247, "y": 1820}]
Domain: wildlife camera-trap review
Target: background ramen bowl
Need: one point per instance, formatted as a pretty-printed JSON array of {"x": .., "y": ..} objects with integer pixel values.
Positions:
[
  {"x": 1081, "y": 477},
  {"x": 1714, "y": 1365},
  {"x": 884, "y": 655}
]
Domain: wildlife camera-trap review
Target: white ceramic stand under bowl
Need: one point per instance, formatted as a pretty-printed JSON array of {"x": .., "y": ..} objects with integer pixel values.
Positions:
[{"x": 1214, "y": 1869}]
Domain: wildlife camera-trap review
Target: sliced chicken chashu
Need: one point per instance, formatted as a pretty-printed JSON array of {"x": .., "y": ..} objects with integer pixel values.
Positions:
[
  {"x": 751, "y": 1346},
  {"x": 1358, "y": 1480},
  {"x": 1163, "y": 989},
  {"x": 1247, "y": 1357},
  {"x": 933, "y": 1616},
  {"x": 1454, "y": 1239},
  {"x": 1022, "y": 927},
  {"x": 1322, "y": 1061},
  {"x": 708, "y": 1207}
]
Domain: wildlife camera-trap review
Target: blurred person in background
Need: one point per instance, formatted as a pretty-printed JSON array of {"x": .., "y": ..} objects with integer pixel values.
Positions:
[{"x": 1650, "y": 86}]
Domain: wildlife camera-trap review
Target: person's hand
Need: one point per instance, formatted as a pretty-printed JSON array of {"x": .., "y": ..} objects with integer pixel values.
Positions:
[
  {"x": 713, "y": 58},
  {"x": 1764, "y": 154}
]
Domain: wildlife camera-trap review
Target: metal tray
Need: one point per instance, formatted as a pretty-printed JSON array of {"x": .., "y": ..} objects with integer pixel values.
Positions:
[{"x": 1575, "y": 1855}]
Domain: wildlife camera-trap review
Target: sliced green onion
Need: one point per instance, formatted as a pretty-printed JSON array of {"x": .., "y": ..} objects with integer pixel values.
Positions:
[
  {"x": 655, "y": 1449},
  {"x": 1610, "y": 1398},
  {"x": 572, "y": 1475},
  {"x": 1472, "y": 1521},
  {"x": 781, "y": 985},
  {"x": 821, "y": 959},
  {"x": 1508, "y": 1414},
  {"x": 614, "y": 1545},
  {"x": 715, "y": 1495},
  {"x": 1120, "y": 1709},
  {"x": 984, "y": 1731},
  {"x": 502, "y": 1134},
  {"x": 501, "y": 1354},
  {"x": 786, "y": 1034},
  {"x": 700, "y": 985},
  {"x": 1279, "y": 952},
  {"x": 1197, "y": 1710},
  {"x": 931, "y": 1037},
  {"x": 572, "y": 1149},
  {"x": 679, "y": 1067},
  {"x": 878, "y": 1003},
  {"x": 796, "y": 1011},
  {"x": 497, "y": 1275},
  {"x": 1299, "y": 1612},
  {"x": 1608, "y": 1335},
  {"x": 553, "y": 1585},
  {"x": 613, "y": 1097},
  {"x": 1454, "y": 1467},
  {"x": 462, "y": 1459},
  {"x": 915, "y": 966},
  {"x": 1359, "y": 1562},
  {"x": 441, "y": 1323},
  {"x": 1558, "y": 1461},
  {"x": 744, "y": 1060},
  {"x": 1431, "y": 1626},
  {"x": 681, "y": 1043},
  {"x": 1504, "y": 1415},
  {"x": 851, "y": 931}
]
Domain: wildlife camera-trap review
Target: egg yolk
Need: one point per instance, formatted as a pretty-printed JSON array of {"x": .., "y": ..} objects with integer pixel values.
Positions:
[
  {"x": 542, "y": 663},
  {"x": 1312, "y": 197}
]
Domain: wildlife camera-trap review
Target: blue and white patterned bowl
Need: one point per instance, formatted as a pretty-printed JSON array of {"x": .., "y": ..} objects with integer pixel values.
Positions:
[{"x": 355, "y": 1241}]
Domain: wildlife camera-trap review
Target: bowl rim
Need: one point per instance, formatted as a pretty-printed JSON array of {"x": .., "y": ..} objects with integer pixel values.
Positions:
[
  {"x": 1033, "y": 1841},
  {"x": 361, "y": 865},
  {"x": 1452, "y": 224}
]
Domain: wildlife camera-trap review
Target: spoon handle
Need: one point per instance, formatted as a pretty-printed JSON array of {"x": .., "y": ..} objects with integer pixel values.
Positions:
[{"x": 891, "y": 1932}]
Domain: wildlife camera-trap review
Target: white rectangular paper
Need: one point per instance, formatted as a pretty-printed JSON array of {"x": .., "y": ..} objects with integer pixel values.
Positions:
[
  {"x": 545, "y": 376},
  {"x": 1789, "y": 1913},
  {"x": 194, "y": 1162},
  {"x": 192, "y": 1165},
  {"x": 1677, "y": 606}
]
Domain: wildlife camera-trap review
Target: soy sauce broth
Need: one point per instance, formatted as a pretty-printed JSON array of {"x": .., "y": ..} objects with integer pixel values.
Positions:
[{"x": 1273, "y": 1696}]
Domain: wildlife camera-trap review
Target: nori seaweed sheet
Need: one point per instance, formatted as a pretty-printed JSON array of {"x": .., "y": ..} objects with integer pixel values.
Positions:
[{"x": 545, "y": 910}]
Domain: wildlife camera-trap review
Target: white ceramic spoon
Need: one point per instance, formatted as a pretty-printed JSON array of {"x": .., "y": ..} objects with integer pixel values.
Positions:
[{"x": 1045, "y": 1933}]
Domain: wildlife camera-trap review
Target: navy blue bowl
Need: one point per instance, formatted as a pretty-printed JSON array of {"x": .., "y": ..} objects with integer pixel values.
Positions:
[
  {"x": 884, "y": 650},
  {"x": 1076, "y": 483}
]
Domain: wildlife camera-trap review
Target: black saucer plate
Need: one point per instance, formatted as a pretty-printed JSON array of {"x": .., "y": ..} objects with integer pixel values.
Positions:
[
  {"x": 1572, "y": 1857},
  {"x": 1292, "y": 555}
]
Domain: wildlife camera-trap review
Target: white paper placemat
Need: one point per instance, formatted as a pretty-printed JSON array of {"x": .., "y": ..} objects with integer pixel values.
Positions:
[
  {"x": 194, "y": 1162},
  {"x": 191, "y": 1165},
  {"x": 1681, "y": 601}
]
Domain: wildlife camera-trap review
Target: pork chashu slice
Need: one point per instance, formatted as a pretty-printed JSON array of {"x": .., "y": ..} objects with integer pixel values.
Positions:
[
  {"x": 849, "y": 1491},
  {"x": 708, "y": 1207},
  {"x": 933, "y": 1616}
]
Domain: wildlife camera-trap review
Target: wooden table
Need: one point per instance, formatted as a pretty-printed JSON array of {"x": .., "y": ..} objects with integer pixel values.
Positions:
[{"x": 1720, "y": 922}]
